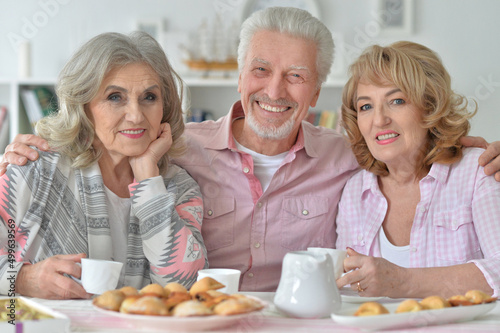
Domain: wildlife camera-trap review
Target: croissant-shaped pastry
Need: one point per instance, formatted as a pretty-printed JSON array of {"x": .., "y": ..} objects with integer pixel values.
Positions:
[
  {"x": 205, "y": 284},
  {"x": 109, "y": 300},
  {"x": 154, "y": 289},
  {"x": 371, "y": 309},
  {"x": 191, "y": 308},
  {"x": 434, "y": 302}
]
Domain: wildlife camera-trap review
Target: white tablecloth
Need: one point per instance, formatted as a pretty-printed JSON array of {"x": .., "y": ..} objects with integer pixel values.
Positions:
[{"x": 84, "y": 318}]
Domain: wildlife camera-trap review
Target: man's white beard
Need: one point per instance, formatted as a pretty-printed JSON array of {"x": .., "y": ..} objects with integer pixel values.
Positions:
[{"x": 270, "y": 131}]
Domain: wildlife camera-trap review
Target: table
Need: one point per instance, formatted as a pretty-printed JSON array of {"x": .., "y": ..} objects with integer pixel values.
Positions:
[{"x": 84, "y": 318}]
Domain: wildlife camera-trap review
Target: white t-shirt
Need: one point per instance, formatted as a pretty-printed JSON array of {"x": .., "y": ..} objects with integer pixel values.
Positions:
[
  {"x": 264, "y": 167},
  {"x": 398, "y": 255},
  {"x": 119, "y": 217}
]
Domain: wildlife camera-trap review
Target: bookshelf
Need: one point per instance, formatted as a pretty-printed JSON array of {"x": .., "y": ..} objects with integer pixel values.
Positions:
[
  {"x": 214, "y": 94},
  {"x": 10, "y": 96}
]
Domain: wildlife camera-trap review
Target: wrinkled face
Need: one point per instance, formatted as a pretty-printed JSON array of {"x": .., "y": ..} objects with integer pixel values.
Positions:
[
  {"x": 278, "y": 83},
  {"x": 127, "y": 110},
  {"x": 390, "y": 124}
]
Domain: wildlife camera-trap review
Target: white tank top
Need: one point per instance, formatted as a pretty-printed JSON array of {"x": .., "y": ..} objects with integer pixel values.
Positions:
[{"x": 398, "y": 255}]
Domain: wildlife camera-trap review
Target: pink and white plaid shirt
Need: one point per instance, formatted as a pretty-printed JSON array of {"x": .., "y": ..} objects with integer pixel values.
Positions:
[{"x": 456, "y": 221}]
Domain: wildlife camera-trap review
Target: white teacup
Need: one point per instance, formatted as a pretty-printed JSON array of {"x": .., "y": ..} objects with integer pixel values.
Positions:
[
  {"x": 228, "y": 277},
  {"x": 99, "y": 275},
  {"x": 338, "y": 257}
]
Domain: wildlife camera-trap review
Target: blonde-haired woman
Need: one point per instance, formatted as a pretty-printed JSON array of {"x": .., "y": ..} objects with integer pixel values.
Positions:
[
  {"x": 421, "y": 218},
  {"x": 107, "y": 191}
]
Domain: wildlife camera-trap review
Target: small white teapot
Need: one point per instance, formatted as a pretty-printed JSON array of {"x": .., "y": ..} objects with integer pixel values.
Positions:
[{"x": 307, "y": 287}]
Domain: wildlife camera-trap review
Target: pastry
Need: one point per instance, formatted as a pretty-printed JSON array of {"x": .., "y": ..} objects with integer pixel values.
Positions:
[
  {"x": 479, "y": 297},
  {"x": 129, "y": 291},
  {"x": 233, "y": 306},
  {"x": 174, "y": 286},
  {"x": 251, "y": 301},
  {"x": 109, "y": 300},
  {"x": 434, "y": 302},
  {"x": 175, "y": 298},
  {"x": 458, "y": 300},
  {"x": 211, "y": 300},
  {"x": 147, "y": 305},
  {"x": 191, "y": 308},
  {"x": 215, "y": 293},
  {"x": 124, "y": 307},
  {"x": 409, "y": 305},
  {"x": 371, "y": 309},
  {"x": 154, "y": 289},
  {"x": 207, "y": 283}
]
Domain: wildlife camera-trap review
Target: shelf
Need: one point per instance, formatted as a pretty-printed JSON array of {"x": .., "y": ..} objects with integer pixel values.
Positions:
[{"x": 233, "y": 82}]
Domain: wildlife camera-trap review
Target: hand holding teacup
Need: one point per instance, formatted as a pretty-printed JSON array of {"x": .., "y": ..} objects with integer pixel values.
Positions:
[
  {"x": 46, "y": 278},
  {"x": 99, "y": 275}
]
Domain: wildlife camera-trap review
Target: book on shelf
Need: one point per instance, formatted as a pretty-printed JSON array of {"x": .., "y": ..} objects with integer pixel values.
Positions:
[
  {"x": 324, "y": 118},
  {"x": 199, "y": 115},
  {"x": 38, "y": 102}
]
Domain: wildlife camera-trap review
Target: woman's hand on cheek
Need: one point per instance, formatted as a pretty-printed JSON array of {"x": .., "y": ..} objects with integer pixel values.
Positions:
[{"x": 146, "y": 165}]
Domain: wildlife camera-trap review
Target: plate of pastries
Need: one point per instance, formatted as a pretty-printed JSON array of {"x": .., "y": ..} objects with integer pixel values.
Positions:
[
  {"x": 432, "y": 310},
  {"x": 173, "y": 307}
]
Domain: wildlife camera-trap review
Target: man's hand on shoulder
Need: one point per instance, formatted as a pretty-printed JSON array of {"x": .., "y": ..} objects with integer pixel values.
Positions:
[
  {"x": 19, "y": 151},
  {"x": 490, "y": 159}
]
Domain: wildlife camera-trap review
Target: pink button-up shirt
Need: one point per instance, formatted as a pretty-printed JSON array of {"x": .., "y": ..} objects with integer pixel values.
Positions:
[
  {"x": 456, "y": 221},
  {"x": 251, "y": 230}
]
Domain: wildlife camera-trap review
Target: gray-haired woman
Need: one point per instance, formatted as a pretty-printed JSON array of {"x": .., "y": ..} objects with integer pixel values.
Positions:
[{"x": 106, "y": 190}]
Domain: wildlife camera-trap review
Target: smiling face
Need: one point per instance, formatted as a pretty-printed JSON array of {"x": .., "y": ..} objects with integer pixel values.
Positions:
[
  {"x": 390, "y": 125},
  {"x": 127, "y": 110},
  {"x": 278, "y": 84}
]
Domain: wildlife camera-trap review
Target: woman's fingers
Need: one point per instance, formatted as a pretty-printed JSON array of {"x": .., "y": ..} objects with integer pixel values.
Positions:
[{"x": 46, "y": 279}]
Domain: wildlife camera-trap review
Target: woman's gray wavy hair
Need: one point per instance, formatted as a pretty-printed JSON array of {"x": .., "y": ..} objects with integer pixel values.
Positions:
[
  {"x": 70, "y": 132},
  {"x": 294, "y": 22}
]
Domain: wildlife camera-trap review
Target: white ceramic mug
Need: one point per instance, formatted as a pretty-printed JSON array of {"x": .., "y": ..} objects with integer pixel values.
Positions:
[
  {"x": 99, "y": 275},
  {"x": 228, "y": 277},
  {"x": 338, "y": 257}
]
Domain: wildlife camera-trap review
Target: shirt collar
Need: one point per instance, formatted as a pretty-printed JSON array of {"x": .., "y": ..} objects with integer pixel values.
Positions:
[
  {"x": 223, "y": 138},
  {"x": 370, "y": 182},
  {"x": 438, "y": 171}
]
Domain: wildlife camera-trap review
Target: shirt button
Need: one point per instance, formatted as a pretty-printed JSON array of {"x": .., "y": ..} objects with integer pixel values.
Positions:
[
  {"x": 259, "y": 204},
  {"x": 257, "y": 245},
  {"x": 423, "y": 209},
  {"x": 210, "y": 212},
  {"x": 250, "y": 275},
  {"x": 413, "y": 249},
  {"x": 246, "y": 170},
  {"x": 305, "y": 212},
  {"x": 360, "y": 237}
]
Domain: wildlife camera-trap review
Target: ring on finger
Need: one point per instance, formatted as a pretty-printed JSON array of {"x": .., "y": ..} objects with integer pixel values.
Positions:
[{"x": 359, "y": 288}]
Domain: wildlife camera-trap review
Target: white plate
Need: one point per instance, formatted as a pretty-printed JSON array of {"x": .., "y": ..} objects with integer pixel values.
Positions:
[
  {"x": 185, "y": 324},
  {"x": 351, "y": 296},
  {"x": 411, "y": 319}
]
